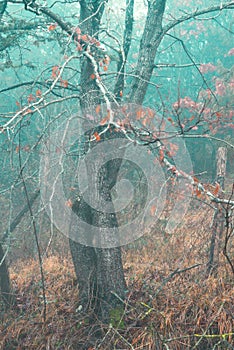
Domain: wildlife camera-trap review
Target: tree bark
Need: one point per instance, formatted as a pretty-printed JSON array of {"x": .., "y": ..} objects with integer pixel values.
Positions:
[
  {"x": 5, "y": 284},
  {"x": 99, "y": 271},
  {"x": 219, "y": 217},
  {"x": 5, "y": 280},
  {"x": 151, "y": 39}
]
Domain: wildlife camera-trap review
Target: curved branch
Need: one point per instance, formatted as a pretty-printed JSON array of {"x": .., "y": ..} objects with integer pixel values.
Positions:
[
  {"x": 32, "y": 82},
  {"x": 195, "y": 136},
  {"x": 3, "y": 5},
  {"x": 169, "y": 26},
  {"x": 34, "y": 7},
  {"x": 14, "y": 30},
  {"x": 174, "y": 65},
  {"x": 16, "y": 25},
  {"x": 194, "y": 64}
]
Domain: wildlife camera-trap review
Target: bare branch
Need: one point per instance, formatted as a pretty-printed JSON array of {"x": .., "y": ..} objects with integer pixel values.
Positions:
[
  {"x": 17, "y": 26},
  {"x": 208, "y": 137},
  {"x": 174, "y": 65},
  {"x": 3, "y": 5},
  {"x": 194, "y": 15},
  {"x": 119, "y": 86}
]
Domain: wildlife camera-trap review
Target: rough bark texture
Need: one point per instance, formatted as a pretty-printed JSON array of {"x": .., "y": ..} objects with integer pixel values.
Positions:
[
  {"x": 90, "y": 16},
  {"x": 219, "y": 217},
  {"x": 120, "y": 81},
  {"x": 151, "y": 38},
  {"x": 221, "y": 165},
  {"x": 99, "y": 271},
  {"x": 5, "y": 280}
]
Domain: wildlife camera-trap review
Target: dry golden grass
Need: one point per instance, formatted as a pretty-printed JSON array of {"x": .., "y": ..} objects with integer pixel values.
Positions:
[{"x": 166, "y": 308}]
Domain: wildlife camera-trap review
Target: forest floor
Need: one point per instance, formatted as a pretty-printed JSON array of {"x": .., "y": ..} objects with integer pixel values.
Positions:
[{"x": 172, "y": 302}]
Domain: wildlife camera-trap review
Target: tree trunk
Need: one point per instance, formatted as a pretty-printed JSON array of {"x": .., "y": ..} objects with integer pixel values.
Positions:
[
  {"x": 99, "y": 271},
  {"x": 100, "y": 278},
  {"x": 219, "y": 218},
  {"x": 5, "y": 280},
  {"x": 151, "y": 39}
]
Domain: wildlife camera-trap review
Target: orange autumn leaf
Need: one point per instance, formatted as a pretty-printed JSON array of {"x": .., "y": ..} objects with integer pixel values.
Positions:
[
  {"x": 55, "y": 71},
  {"x": 173, "y": 169},
  {"x": 173, "y": 146},
  {"x": 195, "y": 180},
  {"x": 84, "y": 37},
  {"x": 97, "y": 43},
  {"x": 69, "y": 203},
  {"x": 97, "y": 136},
  {"x": 28, "y": 111},
  {"x": 78, "y": 30},
  {"x": 38, "y": 93},
  {"x": 173, "y": 149},
  {"x": 153, "y": 210},
  {"x": 92, "y": 76},
  {"x": 78, "y": 47},
  {"x": 104, "y": 120},
  {"x": 105, "y": 68},
  {"x": 64, "y": 83},
  {"x": 121, "y": 93},
  {"x": 140, "y": 114},
  {"x": 161, "y": 155},
  {"x": 198, "y": 193},
  {"x": 216, "y": 189},
  {"x": 106, "y": 60},
  {"x": 145, "y": 121},
  {"x": 97, "y": 109},
  {"x": 52, "y": 26},
  {"x": 17, "y": 149},
  {"x": 31, "y": 98},
  {"x": 150, "y": 113}
]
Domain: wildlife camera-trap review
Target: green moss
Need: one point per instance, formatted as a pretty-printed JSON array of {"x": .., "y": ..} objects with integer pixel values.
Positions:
[{"x": 116, "y": 317}]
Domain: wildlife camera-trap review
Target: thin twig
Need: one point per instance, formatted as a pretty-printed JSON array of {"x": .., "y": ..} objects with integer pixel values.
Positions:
[{"x": 34, "y": 231}]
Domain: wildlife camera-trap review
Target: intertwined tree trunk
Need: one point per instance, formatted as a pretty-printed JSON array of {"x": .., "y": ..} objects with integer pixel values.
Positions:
[{"x": 100, "y": 271}]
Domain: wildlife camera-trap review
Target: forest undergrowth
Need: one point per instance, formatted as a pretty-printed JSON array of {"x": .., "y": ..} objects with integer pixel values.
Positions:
[{"x": 172, "y": 303}]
